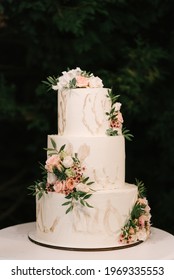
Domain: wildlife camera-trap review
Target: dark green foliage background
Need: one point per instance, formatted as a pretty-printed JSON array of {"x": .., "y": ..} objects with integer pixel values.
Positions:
[{"x": 130, "y": 45}]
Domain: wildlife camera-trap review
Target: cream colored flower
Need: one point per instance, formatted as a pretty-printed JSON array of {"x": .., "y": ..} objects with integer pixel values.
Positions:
[
  {"x": 95, "y": 82},
  {"x": 67, "y": 162},
  {"x": 83, "y": 188},
  {"x": 51, "y": 178}
]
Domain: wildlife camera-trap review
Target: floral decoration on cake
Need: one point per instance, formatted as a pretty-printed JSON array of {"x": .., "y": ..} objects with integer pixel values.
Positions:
[
  {"x": 115, "y": 118},
  {"x": 137, "y": 227},
  {"x": 63, "y": 173},
  {"x": 75, "y": 78}
]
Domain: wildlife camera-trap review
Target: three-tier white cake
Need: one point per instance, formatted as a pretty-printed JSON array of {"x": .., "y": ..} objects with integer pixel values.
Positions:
[{"x": 84, "y": 202}]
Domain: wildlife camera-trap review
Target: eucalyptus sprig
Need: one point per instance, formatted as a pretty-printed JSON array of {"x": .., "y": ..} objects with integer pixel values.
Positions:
[
  {"x": 51, "y": 81},
  {"x": 126, "y": 133},
  {"x": 38, "y": 189},
  {"x": 75, "y": 196},
  {"x": 112, "y": 97},
  {"x": 141, "y": 188}
]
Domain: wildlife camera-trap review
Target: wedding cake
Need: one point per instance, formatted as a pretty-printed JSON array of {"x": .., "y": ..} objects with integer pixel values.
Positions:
[{"x": 83, "y": 202}]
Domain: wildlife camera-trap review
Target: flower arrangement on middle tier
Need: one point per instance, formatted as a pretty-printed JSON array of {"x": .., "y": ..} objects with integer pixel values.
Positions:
[{"x": 64, "y": 173}]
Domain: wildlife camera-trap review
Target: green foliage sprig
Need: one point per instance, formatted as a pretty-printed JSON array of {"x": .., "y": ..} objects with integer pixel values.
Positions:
[
  {"x": 126, "y": 133},
  {"x": 112, "y": 116},
  {"x": 75, "y": 197},
  {"x": 50, "y": 81}
]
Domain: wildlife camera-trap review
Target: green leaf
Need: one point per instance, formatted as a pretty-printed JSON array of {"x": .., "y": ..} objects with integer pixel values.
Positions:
[
  {"x": 69, "y": 209},
  {"x": 81, "y": 194},
  {"x": 66, "y": 203},
  {"x": 126, "y": 134},
  {"x": 111, "y": 132},
  {"x": 49, "y": 149},
  {"x": 40, "y": 194},
  {"x": 61, "y": 175},
  {"x": 53, "y": 143},
  {"x": 85, "y": 180},
  {"x": 82, "y": 202},
  {"x": 137, "y": 211},
  {"x": 87, "y": 196},
  {"x": 141, "y": 188},
  {"x": 90, "y": 183},
  {"x": 62, "y": 148},
  {"x": 88, "y": 205},
  {"x": 68, "y": 196}
]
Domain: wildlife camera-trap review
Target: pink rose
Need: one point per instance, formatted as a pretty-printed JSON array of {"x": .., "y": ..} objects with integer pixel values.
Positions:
[
  {"x": 59, "y": 186},
  {"x": 119, "y": 117},
  {"x": 53, "y": 161},
  {"x": 82, "y": 82},
  {"x": 70, "y": 184}
]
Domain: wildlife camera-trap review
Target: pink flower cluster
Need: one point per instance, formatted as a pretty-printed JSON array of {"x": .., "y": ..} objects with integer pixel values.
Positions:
[
  {"x": 91, "y": 82},
  {"x": 138, "y": 229},
  {"x": 82, "y": 80},
  {"x": 117, "y": 121},
  {"x": 63, "y": 173},
  {"x": 64, "y": 187}
]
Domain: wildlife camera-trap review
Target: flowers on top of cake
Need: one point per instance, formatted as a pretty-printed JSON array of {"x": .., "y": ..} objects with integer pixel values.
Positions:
[
  {"x": 137, "y": 227},
  {"x": 64, "y": 174},
  {"x": 75, "y": 78}
]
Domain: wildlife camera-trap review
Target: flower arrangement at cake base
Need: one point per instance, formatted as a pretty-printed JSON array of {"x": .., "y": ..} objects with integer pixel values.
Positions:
[{"x": 138, "y": 226}]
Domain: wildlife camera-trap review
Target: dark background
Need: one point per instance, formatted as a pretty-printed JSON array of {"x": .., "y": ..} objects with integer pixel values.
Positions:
[{"x": 127, "y": 43}]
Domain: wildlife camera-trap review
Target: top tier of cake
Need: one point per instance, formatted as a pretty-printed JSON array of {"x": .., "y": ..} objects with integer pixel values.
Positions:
[
  {"x": 85, "y": 107},
  {"x": 82, "y": 111}
]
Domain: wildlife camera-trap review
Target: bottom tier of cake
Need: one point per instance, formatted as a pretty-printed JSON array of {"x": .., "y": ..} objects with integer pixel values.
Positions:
[{"x": 85, "y": 227}]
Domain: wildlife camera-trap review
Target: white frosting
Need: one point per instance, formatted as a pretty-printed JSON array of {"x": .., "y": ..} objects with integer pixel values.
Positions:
[
  {"x": 83, "y": 227},
  {"x": 103, "y": 157},
  {"x": 82, "y": 125},
  {"x": 82, "y": 112}
]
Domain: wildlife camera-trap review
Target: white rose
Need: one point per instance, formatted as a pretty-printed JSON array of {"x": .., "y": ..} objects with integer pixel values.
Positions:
[
  {"x": 117, "y": 106},
  {"x": 95, "y": 82},
  {"x": 51, "y": 178},
  {"x": 74, "y": 72},
  {"x": 67, "y": 162},
  {"x": 63, "y": 82}
]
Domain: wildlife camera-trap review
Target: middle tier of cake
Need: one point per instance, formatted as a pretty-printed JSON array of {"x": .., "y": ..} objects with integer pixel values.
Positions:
[{"x": 102, "y": 157}]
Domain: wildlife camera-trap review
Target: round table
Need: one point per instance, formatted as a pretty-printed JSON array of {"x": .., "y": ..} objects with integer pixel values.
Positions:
[{"x": 14, "y": 244}]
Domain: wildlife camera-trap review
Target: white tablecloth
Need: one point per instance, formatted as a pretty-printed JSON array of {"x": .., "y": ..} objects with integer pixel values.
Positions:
[{"x": 14, "y": 244}]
